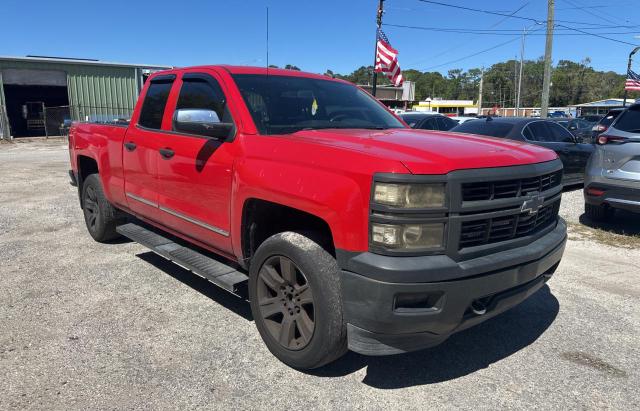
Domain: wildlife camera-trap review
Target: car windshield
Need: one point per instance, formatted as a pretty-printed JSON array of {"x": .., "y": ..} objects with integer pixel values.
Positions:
[
  {"x": 286, "y": 104},
  {"x": 485, "y": 128}
]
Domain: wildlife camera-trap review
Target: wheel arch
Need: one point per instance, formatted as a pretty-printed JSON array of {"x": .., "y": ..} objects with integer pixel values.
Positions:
[{"x": 262, "y": 219}]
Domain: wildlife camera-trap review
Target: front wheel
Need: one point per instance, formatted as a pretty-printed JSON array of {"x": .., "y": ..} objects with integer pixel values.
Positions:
[{"x": 294, "y": 289}]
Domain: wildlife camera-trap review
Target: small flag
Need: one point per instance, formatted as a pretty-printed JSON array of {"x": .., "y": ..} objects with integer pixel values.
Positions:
[
  {"x": 633, "y": 81},
  {"x": 387, "y": 59}
]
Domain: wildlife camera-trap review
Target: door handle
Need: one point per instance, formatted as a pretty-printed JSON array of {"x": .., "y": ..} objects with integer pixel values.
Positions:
[
  {"x": 130, "y": 146},
  {"x": 166, "y": 153}
]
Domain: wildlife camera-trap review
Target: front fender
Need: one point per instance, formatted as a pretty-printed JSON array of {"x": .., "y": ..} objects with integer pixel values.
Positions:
[{"x": 341, "y": 200}]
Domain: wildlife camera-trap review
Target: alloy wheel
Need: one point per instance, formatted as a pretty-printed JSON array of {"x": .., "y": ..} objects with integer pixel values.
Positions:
[{"x": 286, "y": 302}]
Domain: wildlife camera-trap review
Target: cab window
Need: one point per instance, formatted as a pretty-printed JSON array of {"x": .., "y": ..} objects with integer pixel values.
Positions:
[{"x": 155, "y": 101}]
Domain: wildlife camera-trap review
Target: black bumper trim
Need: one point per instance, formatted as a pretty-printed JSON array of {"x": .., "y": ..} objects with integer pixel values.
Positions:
[
  {"x": 377, "y": 327},
  {"x": 625, "y": 198}
]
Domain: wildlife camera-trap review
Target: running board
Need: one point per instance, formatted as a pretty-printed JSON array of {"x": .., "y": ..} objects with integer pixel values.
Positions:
[{"x": 215, "y": 271}]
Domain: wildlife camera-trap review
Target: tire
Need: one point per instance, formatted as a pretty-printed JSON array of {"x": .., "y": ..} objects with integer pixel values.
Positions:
[
  {"x": 598, "y": 213},
  {"x": 288, "y": 271},
  {"x": 100, "y": 216}
]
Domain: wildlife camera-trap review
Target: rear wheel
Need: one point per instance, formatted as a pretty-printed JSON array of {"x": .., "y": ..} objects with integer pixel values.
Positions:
[
  {"x": 598, "y": 213},
  {"x": 100, "y": 216},
  {"x": 294, "y": 289}
]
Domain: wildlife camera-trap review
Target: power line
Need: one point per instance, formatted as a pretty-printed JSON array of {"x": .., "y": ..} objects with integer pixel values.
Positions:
[
  {"x": 474, "y": 54},
  {"x": 490, "y": 27},
  {"x": 589, "y": 12},
  {"x": 495, "y": 13},
  {"x": 597, "y": 35},
  {"x": 506, "y": 32}
]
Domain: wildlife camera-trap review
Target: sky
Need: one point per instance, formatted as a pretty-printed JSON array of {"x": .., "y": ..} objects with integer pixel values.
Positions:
[{"x": 314, "y": 35}]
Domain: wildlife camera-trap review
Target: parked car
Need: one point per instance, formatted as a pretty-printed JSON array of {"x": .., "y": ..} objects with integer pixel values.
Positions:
[
  {"x": 604, "y": 123},
  {"x": 349, "y": 229},
  {"x": 594, "y": 118},
  {"x": 546, "y": 133},
  {"x": 613, "y": 173},
  {"x": 580, "y": 128},
  {"x": 557, "y": 113},
  {"x": 428, "y": 121}
]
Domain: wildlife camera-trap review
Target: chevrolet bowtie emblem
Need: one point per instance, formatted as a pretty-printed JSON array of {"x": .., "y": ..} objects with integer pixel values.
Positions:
[{"x": 532, "y": 205}]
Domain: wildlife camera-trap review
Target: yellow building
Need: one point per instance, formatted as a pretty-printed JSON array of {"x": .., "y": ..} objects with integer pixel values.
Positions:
[{"x": 453, "y": 107}]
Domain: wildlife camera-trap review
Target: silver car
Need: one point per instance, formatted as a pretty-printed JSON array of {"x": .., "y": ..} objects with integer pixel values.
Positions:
[{"x": 612, "y": 179}]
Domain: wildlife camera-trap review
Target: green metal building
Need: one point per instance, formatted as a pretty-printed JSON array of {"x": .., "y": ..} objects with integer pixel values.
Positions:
[{"x": 41, "y": 95}]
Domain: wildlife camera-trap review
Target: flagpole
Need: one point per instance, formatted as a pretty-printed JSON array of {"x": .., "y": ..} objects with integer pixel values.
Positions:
[
  {"x": 624, "y": 102},
  {"x": 374, "y": 79}
]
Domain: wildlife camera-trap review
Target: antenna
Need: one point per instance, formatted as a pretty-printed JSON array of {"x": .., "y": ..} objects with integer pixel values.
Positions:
[{"x": 267, "y": 40}]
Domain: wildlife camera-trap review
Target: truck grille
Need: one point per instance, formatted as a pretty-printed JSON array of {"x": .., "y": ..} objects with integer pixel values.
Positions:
[
  {"x": 492, "y": 230},
  {"x": 493, "y": 190}
]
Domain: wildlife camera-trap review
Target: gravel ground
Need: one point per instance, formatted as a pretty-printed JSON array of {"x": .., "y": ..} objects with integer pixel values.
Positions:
[{"x": 85, "y": 325}]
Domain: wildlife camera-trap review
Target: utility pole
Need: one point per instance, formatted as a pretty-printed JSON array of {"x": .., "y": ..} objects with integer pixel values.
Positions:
[
  {"x": 524, "y": 33},
  {"x": 480, "y": 93},
  {"x": 546, "y": 83},
  {"x": 374, "y": 79},
  {"x": 634, "y": 51}
]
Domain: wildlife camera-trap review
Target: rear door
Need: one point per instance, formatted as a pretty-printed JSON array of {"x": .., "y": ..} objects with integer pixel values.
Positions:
[
  {"x": 140, "y": 149},
  {"x": 195, "y": 173}
]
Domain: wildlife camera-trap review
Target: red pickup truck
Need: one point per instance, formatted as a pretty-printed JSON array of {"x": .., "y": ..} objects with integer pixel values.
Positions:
[{"x": 349, "y": 229}]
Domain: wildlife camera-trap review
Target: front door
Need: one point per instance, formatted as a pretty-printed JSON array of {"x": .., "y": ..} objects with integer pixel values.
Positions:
[
  {"x": 195, "y": 172},
  {"x": 554, "y": 137},
  {"x": 140, "y": 150}
]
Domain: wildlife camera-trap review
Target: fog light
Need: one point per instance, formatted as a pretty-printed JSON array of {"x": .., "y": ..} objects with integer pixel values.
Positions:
[{"x": 408, "y": 236}]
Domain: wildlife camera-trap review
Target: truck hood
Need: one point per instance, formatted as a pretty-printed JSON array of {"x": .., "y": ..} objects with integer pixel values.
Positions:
[{"x": 431, "y": 152}]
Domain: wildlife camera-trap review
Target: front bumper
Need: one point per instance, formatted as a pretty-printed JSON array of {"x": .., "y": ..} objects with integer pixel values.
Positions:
[
  {"x": 385, "y": 317},
  {"x": 624, "y": 194}
]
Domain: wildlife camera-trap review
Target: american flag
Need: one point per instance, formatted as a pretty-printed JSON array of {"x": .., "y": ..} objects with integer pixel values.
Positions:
[
  {"x": 387, "y": 59},
  {"x": 633, "y": 81}
]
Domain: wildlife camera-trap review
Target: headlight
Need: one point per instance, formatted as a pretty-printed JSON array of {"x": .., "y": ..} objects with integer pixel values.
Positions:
[
  {"x": 409, "y": 195},
  {"x": 408, "y": 236}
]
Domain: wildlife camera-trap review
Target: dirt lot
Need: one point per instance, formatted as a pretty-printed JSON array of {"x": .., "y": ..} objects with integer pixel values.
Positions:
[{"x": 87, "y": 325}]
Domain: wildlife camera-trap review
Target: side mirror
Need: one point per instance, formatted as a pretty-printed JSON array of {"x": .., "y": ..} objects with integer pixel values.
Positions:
[{"x": 201, "y": 122}]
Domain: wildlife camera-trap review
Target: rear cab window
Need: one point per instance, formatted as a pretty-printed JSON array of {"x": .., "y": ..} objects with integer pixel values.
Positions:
[
  {"x": 485, "y": 128},
  {"x": 155, "y": 102},
  {"x": 629, "y": 120}
]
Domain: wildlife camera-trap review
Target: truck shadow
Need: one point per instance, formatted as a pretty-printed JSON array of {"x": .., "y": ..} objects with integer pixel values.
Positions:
[
  {"x": 464, "y": 353},
  {"x": 623, "y": 222},
  {"x": 237, "y": 304}
]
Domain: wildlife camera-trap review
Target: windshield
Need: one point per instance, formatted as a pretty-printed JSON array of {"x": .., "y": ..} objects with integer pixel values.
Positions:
[{"x": 283, "y": 104}]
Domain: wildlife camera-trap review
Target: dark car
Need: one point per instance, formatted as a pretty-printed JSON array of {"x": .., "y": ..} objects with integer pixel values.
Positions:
[
  {"x": 605, "y": 122},
  {"x": 546, "y": 133},
  {"x": 594, "y": 118},
  {"x": 428, "y": 121},
  {"x": 580, "y": 128}
]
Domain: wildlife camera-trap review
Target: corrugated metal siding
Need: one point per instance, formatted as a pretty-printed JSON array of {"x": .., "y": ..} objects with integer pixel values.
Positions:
[
  {"x": 94, "y": 91},
  {"x": 102, "y": 91}
]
